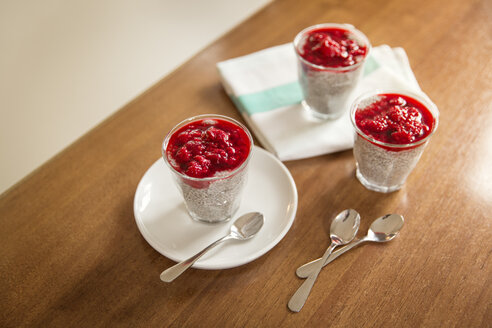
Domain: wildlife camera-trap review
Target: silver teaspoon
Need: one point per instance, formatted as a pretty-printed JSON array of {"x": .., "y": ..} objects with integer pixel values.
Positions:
[
  {"x": 382, "y": 230},
  {"x": 245, "y": 227},
  {"x": 342, "y": 230}
]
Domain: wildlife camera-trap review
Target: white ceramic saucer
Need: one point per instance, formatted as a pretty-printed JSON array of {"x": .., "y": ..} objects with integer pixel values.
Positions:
[{"x": 163, "y": 221}]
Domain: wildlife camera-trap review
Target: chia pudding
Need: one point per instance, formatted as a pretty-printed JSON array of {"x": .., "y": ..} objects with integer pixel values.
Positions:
[
  {"x": 392, "y": 130},
  {"x": 208, "y": 156},
  {"x": 330, "y": 64}
]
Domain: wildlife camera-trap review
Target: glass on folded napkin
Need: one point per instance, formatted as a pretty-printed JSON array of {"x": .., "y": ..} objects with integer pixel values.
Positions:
[{"x": 330, "y": 63}]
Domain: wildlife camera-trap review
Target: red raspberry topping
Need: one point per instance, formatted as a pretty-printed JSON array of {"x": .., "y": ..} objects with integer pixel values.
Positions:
[
  {"x": 202, "y": 148},
  {"x": 332, "y": 47},
  {"x": 395, "y": 119}
]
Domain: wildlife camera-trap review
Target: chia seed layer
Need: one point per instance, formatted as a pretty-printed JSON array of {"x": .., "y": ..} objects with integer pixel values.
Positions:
[
  {"x": 330, "y": 63},
  {"x": 384, "y": 170},
  {"x": 326, "y": 92},
  {"x": 218, "y": 201}
]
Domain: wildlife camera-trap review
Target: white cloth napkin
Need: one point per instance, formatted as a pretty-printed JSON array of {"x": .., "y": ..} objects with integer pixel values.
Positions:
[{"x": 264, "y": 86}]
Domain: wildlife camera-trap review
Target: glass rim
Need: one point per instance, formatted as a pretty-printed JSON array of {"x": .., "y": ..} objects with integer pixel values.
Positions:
[
  {"x": 347, "y": 27},
  {"x": 419, "y": 96},
  {"x": 200, "y": 117}
]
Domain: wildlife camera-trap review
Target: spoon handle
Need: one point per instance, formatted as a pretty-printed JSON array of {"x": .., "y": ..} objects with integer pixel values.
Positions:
[
  {"x": 173, "y": 272},
  {"x": 297, "y": 300},
  {"x": 305, "y": 270}
]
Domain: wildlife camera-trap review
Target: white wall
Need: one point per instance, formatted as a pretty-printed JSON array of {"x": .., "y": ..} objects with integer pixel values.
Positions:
[{"x": 65, "y": 65}]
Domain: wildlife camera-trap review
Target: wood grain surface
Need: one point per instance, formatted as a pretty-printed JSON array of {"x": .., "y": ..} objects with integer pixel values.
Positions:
[{"x": 71, "y": 254}]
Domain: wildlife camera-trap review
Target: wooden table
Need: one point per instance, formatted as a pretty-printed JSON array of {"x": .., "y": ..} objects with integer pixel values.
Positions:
[{"x": 72, "y": 255}]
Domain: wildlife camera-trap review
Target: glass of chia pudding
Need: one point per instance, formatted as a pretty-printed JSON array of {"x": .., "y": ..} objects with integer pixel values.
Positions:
[
  {"x": 208, "y": 156},
  {"x": 330, "y": 63},
  {"x": 392, "y": 130}
]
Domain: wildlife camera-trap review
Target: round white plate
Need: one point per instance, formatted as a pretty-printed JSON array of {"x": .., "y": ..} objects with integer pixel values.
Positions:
[{"x": 164, "y": 222}]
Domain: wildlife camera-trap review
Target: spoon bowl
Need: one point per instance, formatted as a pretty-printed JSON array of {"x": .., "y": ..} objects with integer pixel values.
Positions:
[
  {"x": 247, "y": 226},
  {"x": 344, "y": 227},
  {"x": 385, "y": 228}
]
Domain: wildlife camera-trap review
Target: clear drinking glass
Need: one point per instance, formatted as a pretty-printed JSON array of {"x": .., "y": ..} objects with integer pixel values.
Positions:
[
  {"x": 211, "y": 199},
  {"x": 327, "y": 89},
  {"x": 384, "y": 167}
]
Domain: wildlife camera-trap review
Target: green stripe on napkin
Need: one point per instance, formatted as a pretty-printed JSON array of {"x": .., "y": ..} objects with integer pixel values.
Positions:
[
  {"x": 370, "y": 65},
  {"x": 264, "y": 101}
]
